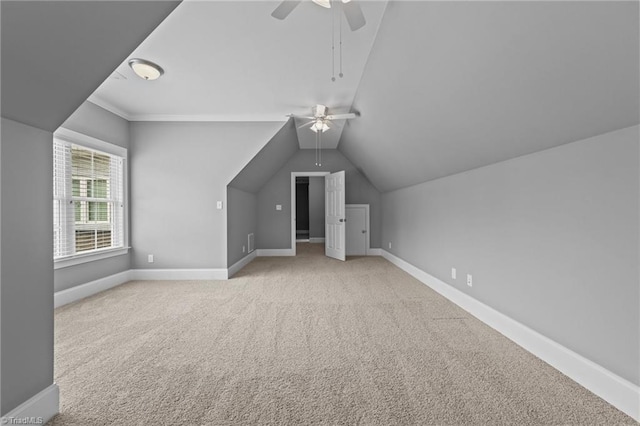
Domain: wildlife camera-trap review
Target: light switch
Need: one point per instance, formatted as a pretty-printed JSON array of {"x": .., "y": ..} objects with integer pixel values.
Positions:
[
  {"x": 278, "y": 206},
  {"x": 219, "y": 205}
]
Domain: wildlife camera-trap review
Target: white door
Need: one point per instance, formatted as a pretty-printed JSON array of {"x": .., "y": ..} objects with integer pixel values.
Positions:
[
  {"x": 356, "y": 231},
  {"x": 334, "y": 216}
]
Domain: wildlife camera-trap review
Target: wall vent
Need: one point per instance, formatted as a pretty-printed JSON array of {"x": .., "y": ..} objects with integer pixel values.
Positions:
[{"x": 250, "y": 244}]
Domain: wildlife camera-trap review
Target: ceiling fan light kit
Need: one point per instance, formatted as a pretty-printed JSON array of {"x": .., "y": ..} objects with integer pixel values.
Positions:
[
  {"x": 320, "y": 126},
  {"x": 323, "y": 3}
]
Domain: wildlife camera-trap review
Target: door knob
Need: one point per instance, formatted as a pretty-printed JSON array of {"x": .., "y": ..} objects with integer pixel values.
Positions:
[
  {"x": 364, "y": 231},
  {"x": 343, "y": 220}
]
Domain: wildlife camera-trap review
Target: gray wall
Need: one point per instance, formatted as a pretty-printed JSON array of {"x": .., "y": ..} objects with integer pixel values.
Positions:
[
  {"x": 316, "y": 207},
  {"x": 274, "y": 227},
  {"x": 27, "y": 265},
  {"x": 550, "y": 238},
  {"x": 241, "y": 221},
  {"x": 268, "y": 160},
  {"x": 178, "y": 172},
  {"x": 92, "y": 120}
]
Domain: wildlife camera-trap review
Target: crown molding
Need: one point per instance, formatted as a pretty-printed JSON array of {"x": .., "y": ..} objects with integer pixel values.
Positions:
[
  {"x": 275, "y": 118},
  {"x": 109, "y": 107},
  {"x": 278, "y": 118}
]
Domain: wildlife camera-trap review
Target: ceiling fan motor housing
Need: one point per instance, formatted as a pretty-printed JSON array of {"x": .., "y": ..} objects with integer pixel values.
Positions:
[{"x": 319, "y": 111}]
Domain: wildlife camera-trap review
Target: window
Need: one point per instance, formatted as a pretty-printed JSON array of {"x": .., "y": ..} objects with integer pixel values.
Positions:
[{"x": 88, "y": 199}]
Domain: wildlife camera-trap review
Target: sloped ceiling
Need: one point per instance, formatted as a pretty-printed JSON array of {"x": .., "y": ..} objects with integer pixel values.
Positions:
[
  {"x": 55, "y": 53},
  {"x": 452, "y": 86},
  {"x": 232, "y": 61},
  {"x": 268, "y": 160}
]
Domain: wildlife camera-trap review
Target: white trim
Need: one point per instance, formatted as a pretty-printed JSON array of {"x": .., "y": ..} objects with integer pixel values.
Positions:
[
  {"x": 43, "y": 405},
  {"x": 275, "y": 252},
  {"x": 314, "y": 240},
  {"x": 617, "y": 391},
  {"x": 236, "y": 267},
  {"x": 109, "y": 107},
  {"x": 88, "y": 257},
  {"x": 374, "y": 252},
  {"x": 90, "y": 142},
  {"x": 293, "y": 206},
  {"x": 275, "y": 118},
  {"x": 271, "y": 118},
  {"x": 86, "y": 141},
  {"x": 367, "y": 245},
  {"x": 178, "y": 274},
  {"x": 70, "y": 295}
]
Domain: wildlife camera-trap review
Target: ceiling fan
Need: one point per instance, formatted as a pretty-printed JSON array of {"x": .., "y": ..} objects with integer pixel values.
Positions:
[
  {"x": 319, "y": 123},
  {"x": 321, "y": 119},
  {"x": 352, "y": 11}
]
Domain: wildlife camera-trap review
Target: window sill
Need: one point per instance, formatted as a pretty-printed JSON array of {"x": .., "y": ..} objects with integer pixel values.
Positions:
[{"x": 88, "y": 257}]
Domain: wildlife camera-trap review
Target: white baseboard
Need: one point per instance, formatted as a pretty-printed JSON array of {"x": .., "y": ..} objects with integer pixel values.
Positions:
[
  {"x": 70, "y": 295},
  {"x": 315, "y": 240},
  {"x": 275, "y": 252},
  {"x": 374, "y": 252},
  {"x": 63, "y": 297},
  {"x": 241, "y": 264},
  {"x": 38, "y": 409},
  {"x": 617, "y": 391},
  {"x": 178, "y": 274}
]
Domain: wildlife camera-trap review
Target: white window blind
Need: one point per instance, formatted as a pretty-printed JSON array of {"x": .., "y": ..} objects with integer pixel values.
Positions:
[{"x": 88, "y": 200}]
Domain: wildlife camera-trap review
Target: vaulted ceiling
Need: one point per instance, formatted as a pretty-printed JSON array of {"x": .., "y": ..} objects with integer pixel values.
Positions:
[
  {"x": 232, "y": 61},
  {"x": 442, "y": 87},
  {"x": 452, "y": 86}
]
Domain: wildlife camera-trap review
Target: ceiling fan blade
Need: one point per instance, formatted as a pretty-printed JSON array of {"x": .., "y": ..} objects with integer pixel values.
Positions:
[
  {"x": 354, "y": 15},
  {"x": 284, "y": 9},
  {"x": 306, "y": 124},
  {"x": 342, "y": 116}
]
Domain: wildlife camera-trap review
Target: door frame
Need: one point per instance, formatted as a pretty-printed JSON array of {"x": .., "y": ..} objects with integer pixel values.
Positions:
[
  {"x": 367, "y": 244},
  {"x": 294, "y": 175}
]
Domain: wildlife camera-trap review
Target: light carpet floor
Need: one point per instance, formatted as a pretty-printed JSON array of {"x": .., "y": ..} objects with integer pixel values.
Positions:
[{"x": 304, "y": 340}]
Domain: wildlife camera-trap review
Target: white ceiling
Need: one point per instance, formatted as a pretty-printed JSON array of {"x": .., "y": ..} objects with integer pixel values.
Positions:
[
  {"x": 447, "y": 86},
  {"x": 232, "y": 61}
]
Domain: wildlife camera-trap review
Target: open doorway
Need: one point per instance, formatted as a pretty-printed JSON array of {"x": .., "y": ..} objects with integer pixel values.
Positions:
[
  {"x": 310, "y": 209},
  {"x": 307, "y": 208}
]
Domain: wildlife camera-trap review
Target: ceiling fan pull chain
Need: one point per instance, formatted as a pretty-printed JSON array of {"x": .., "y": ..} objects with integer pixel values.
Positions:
[
  {"x": 333, "y": 45},
  {"x": 316, "y": 149},
  {"x": 340, "y": 15},
  {"x": 319, "y": 149}
]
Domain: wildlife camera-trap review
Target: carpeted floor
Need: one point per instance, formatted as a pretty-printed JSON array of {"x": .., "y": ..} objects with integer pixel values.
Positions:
[{"x": 304, "y": 340}]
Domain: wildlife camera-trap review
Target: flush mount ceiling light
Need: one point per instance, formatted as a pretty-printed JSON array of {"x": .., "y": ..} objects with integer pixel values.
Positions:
[{"x": 146, "y": 69}]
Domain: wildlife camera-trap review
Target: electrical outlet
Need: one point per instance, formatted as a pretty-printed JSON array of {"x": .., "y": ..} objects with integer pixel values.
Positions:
[
  {"x": 219, "y": 205},
  {"x": 150, "y": 258},
  {"x": 244, "y": 249},
  {"x": 453, "y": 273},
  {"x": 469, "y": 280},
  {"x": 389, "y": 244},
  {"x": 278, "y": 206}
]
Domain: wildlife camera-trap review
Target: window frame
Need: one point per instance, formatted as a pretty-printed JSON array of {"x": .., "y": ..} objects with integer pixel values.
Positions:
[{"x": 89, "y": 142}]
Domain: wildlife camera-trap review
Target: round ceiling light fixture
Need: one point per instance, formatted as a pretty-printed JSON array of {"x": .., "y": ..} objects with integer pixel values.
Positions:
[{"x": 146, "y": 69}]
